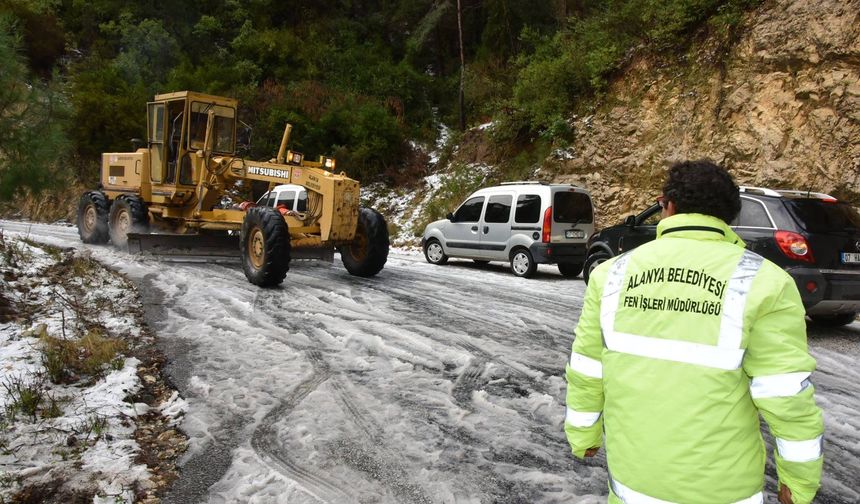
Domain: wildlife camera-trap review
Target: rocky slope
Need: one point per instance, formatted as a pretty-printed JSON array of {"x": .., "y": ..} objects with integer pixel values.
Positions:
[{"x": 782, "y": 110}]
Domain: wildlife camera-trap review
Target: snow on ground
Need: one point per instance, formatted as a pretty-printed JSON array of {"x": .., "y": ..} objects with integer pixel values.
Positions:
[
  {"x": 76, "y": 434},
  {"x": 404, "y": 207},
  {"x": 437, "y": 384}
]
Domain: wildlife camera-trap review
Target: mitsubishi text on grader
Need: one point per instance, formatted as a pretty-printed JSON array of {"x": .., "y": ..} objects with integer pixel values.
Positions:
[{"x": 170, "y": 192}]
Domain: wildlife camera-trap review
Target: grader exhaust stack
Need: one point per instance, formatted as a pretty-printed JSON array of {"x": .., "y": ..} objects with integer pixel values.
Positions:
[{"x": 166, "y": 198}]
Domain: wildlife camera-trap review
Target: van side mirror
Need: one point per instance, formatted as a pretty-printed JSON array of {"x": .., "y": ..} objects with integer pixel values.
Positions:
[
  {"x": 630, "y": 221},
  {"x": 450, "y": 217},
  {"x": 136, "y": 143}
]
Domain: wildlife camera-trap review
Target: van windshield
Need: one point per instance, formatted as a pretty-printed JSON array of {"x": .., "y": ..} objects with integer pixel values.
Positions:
[
  {"x": 818, "y": 216},
  {"x": 572, "y": 207}
]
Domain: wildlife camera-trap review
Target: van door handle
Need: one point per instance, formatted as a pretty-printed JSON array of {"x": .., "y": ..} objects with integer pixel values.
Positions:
[
  {"x": 486, "y": 229},
  {"x": 474, "y": 228}
]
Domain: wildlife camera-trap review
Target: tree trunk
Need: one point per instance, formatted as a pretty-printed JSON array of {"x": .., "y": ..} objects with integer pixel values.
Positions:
[{"x": 462, "y": 69}]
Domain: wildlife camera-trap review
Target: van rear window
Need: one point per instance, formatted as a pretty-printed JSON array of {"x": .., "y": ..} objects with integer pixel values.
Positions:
[
  {"x": 572, "y": 207},
  {"x": 818, "y": 216}
]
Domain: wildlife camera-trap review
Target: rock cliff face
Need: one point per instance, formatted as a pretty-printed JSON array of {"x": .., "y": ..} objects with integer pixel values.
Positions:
[{"x": 782, "y": 111}]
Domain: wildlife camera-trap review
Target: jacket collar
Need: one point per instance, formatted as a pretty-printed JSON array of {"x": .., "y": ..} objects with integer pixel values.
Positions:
[{"x": 697, "y": 227}]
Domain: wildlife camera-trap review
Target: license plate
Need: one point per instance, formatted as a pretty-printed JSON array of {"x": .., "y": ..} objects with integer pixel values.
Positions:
[
  {"x": 850, "y": 257},
  {"x": 574, "y": 233}
]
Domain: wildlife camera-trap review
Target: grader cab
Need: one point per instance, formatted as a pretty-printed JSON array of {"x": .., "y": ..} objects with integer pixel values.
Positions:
[{"x": 169, "y": 192}]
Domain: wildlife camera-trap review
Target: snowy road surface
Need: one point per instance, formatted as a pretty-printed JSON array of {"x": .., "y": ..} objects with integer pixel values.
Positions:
[{"x": 425, "y": 384}]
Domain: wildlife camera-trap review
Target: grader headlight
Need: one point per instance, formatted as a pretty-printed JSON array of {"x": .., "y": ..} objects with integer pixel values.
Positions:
[
  {"x": 329, "y": 163},
  {"x": 294, "y": 157}
]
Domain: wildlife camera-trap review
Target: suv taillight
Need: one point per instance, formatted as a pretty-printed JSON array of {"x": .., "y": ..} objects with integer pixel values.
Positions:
[
  {"x": 794, "y": 246},
  {"x": 547, "y": 225}
]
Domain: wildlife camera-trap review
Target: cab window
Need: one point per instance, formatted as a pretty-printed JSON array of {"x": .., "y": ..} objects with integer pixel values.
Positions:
[
  {"x": 156, "y": 141},
  {"x": 223, "y": 127},
  {"x": 470, "y": 211}
]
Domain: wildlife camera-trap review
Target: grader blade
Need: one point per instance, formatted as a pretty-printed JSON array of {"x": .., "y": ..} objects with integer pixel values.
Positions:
[
  {"x": 208, "y": 248},
  {"x": 186, "y": 248}
]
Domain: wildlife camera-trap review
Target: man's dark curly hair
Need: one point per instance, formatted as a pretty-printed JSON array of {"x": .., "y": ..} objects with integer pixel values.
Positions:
[{"x": 702, "y": 187}]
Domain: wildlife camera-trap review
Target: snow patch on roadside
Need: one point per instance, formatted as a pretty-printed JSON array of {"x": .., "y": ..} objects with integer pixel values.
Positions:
[{"x": 79, "y": 436}]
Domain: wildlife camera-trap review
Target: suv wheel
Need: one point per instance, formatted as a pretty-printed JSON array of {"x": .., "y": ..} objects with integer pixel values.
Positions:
[
  {"x": 433, "y": 252},
  {"x": 522, "y": 263},
  {"x": 840, "y": 319},
  {"x": 570, "y": 270},
  {"x": 592, "y": 261}
]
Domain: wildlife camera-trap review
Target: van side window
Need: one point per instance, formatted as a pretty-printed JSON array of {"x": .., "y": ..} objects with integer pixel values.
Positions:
[
  {"x": 470, "y": 211},
  {"x": 528, "y": 209},
  {"x": 499, "y": 208}
]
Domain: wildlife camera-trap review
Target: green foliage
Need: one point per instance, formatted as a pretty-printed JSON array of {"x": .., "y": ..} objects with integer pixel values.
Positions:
[
  {"x": 557, "y": 72},
  {"x": 24, "y": 396},
  {"x": 32, "y": 138},
  {"x": 461, "y": 181},
  {"x": 357, "y": 79}
]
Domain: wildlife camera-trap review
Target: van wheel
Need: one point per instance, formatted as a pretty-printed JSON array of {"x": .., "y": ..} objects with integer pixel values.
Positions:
[
  {"x": 522, "y": 263},
  {"x": 592, "y": 261},
  {"x": 433, "y": 252},
  {"x": 837, "y": 320},
  {"x": 570, "y": 270}
]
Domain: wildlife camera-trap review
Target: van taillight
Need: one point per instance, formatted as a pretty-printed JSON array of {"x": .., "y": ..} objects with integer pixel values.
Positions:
[
  {"x": 794, "y": 246},
  {"x": 547, "y": 225}
]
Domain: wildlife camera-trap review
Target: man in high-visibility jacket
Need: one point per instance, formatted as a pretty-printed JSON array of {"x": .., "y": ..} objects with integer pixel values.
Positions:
[{"x": 682, "y": 343}]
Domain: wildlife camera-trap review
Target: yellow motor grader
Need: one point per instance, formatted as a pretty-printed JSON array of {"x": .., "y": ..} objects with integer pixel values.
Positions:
[{"x": 169, "y": 194}]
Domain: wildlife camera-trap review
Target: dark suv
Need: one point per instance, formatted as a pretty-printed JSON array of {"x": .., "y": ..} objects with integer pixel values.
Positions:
[{"x": 814, "y": 237}]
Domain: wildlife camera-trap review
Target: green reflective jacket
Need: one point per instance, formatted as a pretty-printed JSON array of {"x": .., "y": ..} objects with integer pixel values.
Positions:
[{"x": 681, "y": 344}]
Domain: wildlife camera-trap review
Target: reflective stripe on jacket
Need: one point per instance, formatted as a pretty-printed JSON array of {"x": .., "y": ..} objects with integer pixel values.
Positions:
[{"x": 681, "y": 344}]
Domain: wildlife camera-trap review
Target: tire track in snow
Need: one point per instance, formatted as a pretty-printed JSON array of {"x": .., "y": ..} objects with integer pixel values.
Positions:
[
  {"x": 380, "y": 461},
  {"x": 373, "y": 458},
  {"x": 265, "y": 442}
]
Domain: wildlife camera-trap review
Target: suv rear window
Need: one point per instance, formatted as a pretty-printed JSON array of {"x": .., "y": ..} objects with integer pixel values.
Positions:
[
  {"x": 818, "y": 216},
  {"x": 572, "y": 207}
]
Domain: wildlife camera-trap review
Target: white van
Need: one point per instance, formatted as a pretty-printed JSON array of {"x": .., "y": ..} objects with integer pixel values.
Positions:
[
  {"x": 525, "y": 223},
  {"x": 292, "y": 196}
]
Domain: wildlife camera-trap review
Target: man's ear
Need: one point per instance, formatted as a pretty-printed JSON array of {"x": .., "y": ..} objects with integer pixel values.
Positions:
[{"x": 670, "y": 208}]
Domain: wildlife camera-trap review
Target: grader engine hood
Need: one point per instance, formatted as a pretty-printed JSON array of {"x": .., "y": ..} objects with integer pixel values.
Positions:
[{"x": 333, "y": 199}]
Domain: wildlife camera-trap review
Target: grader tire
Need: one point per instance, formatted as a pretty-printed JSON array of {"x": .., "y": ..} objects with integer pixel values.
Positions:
[
  {"x": 265, "y": 247},
  {"x": 128, "y": 214},
  {"x": 368, "y": 252},
  {"x": 93, "y": 211}
]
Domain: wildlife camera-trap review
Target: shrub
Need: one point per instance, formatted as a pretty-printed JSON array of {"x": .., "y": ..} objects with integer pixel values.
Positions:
[
  {"x": 65, "y": 360},
  {"x": 25, "y": 397}
]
